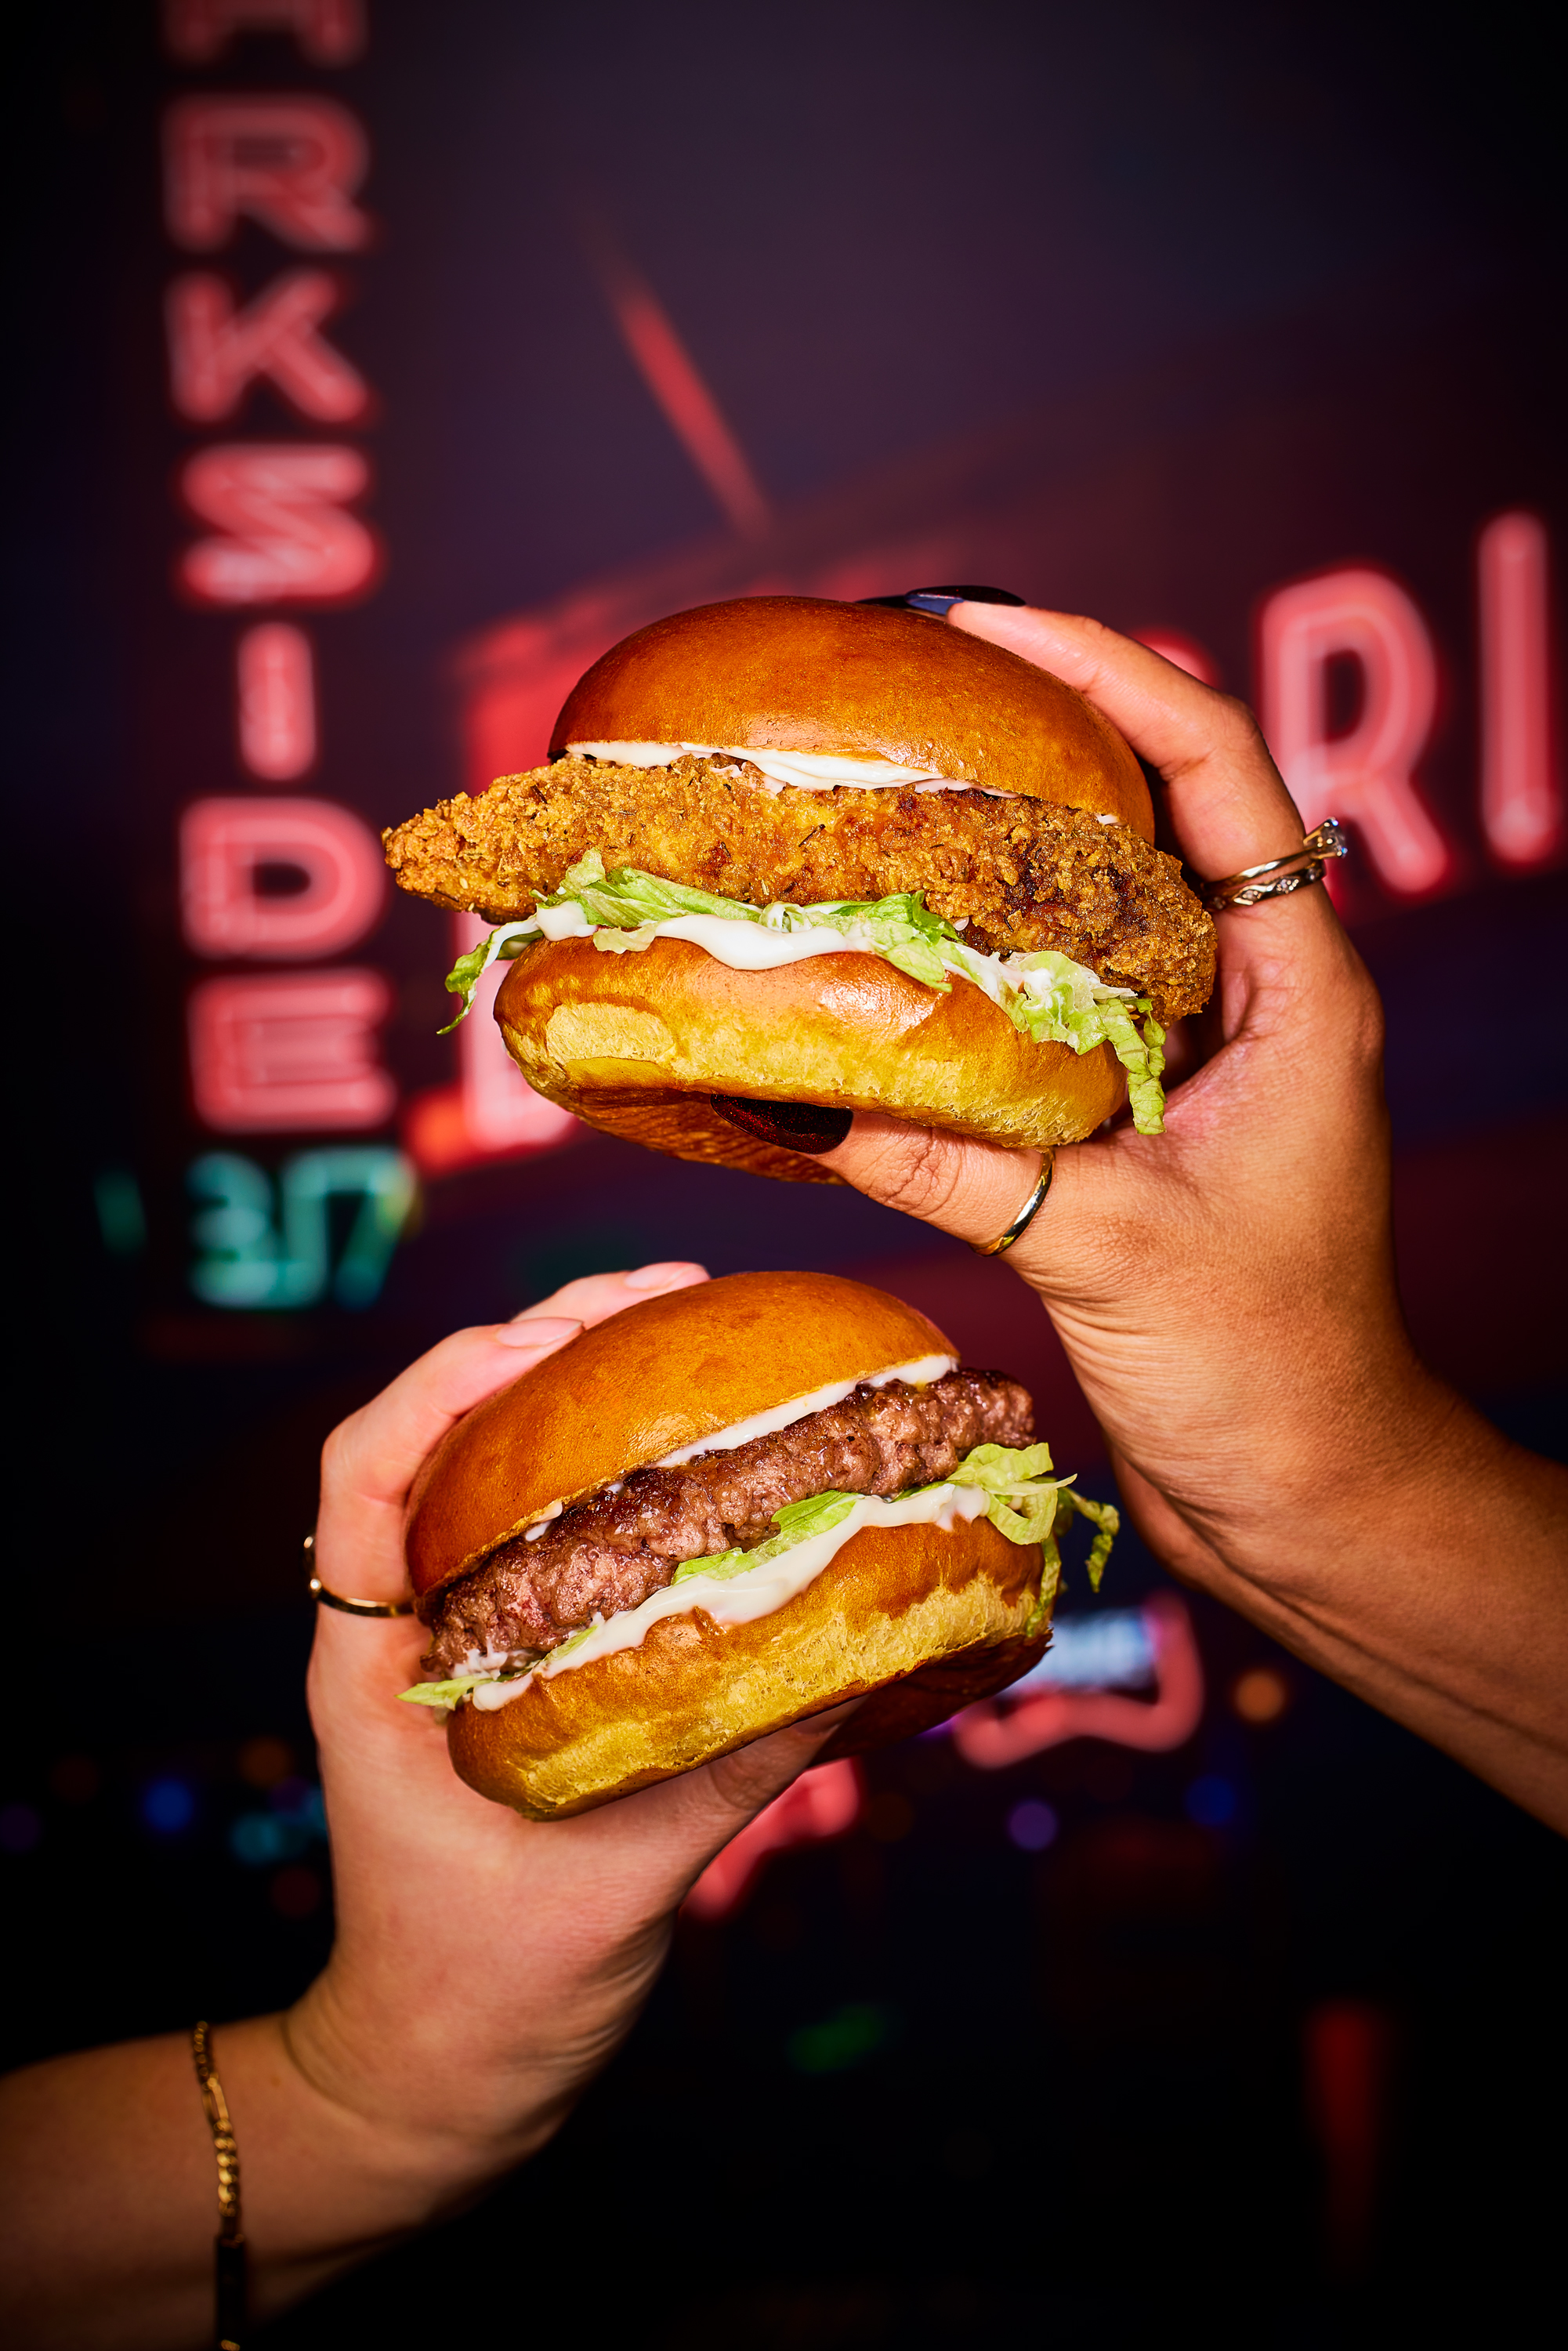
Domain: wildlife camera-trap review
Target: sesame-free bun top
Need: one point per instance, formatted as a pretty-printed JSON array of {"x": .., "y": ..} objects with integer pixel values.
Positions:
[
  {"x": 657, "y": 1377},
  {"x": 863, "y": 682}
]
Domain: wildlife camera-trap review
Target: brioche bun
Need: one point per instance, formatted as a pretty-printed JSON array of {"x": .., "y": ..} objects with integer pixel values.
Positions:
[
  {"x": 638, "y": 1043},
  {"x": 799, "y": 673},
  {"x": 893, "y": 1601},
  {"x": 924, "y": 1619}
]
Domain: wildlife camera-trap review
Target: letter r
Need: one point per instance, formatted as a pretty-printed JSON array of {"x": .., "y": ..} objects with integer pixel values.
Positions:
[{"x": 292, "y": 163}]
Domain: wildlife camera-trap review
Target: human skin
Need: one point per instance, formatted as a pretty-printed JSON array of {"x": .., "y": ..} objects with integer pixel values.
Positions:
[
  {"x": 484, "y": 1966},
  {"x": 1226, "y": 1291}
]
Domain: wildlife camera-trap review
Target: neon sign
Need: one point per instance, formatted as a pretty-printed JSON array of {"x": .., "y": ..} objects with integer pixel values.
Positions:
[
  {"x": 254, "y": 1254},
  {"x": 1078, "y": 1690}
]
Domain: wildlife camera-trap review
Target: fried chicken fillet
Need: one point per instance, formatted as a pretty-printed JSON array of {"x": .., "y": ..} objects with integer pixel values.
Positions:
[{"x": 1021, "y": 874}]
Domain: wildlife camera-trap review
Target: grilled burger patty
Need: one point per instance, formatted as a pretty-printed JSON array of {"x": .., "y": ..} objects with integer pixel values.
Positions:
[
  {"x": 627, "y": 1540},
  {"x": 1023, "y": 873}
]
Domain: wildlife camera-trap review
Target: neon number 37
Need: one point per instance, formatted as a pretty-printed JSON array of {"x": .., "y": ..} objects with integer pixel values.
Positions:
[{"x": 256, "y": 1254}]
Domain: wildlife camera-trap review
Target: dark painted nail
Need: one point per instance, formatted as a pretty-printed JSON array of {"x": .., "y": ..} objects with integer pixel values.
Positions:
[
  {"x": 938, "y": 601},
  {"x": 806, "y": 1127}
]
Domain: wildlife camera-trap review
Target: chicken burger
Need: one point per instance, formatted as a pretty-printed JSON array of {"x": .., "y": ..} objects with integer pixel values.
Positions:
[{"x": 791, "y": 859}]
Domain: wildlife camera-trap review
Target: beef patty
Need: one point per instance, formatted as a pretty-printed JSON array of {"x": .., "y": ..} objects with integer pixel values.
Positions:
[
  {"x": 1021, "y": 873},
  {"x": 627, "y": 1540}
]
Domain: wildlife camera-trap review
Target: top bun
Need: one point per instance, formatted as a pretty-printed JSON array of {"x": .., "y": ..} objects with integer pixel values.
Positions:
[
  {"x": 659, "y": 1376},
  {"x": 798, "y": 673}
]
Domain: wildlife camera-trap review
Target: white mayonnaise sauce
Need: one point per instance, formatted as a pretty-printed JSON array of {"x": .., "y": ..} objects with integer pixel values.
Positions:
[
  {"x": 919, "y": 1374},
  {"x": 810, "y": 771},
  {"x": 728, "y": 938},
  {"x": 757, "y": 1592}
]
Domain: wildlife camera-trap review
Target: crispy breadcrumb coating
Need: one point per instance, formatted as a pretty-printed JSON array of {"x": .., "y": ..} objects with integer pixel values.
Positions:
[{"x": 1022, "y": 873}]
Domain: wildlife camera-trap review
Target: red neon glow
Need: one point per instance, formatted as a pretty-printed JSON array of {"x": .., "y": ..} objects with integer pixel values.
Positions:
[
  {"x": 690, "y": 409},
  {"x": 292, "y": 163},
  {"x": 330, "y": 32},
  {"x": 277, "y": 699},
  {"x": 492, "y": 1111},
  {"x": 1521, "y": 794},
  {"x": 1346, "y": 2051},
  {"x": 821, "y": 1803},
  {"x": 998, "y": 1732},
  {"x": 224, "y": 844},
  {"x": 291, "y": 1051},
  {"x": 287, "y": 535},
  {"x": 217, "y": 352},
  {"x": 1367, "y": 775},
  {"x": 1184, "y": 652}
]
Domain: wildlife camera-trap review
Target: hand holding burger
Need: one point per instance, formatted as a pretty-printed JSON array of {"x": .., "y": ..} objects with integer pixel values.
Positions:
[
  {"x": 1227, "y": 1294},
  {"x": 485, "y": 1965}
]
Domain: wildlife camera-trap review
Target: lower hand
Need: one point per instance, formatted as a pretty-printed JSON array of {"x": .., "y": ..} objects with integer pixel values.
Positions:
[{"x": 486, "y": 1965}]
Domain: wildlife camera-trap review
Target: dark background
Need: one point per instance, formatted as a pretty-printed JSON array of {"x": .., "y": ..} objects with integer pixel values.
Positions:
[{"x": 1137, "y": 310}]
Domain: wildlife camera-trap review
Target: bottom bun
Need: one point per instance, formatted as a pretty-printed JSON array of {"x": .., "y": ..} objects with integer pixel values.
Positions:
[
  {"x": 638, "y": 1043},
  {"x": 897, "y": 1606}
]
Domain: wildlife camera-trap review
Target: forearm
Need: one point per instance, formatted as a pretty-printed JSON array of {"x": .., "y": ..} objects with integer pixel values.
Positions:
[
  {"x": 1439, "y": 1594},
  {"x": 111, "y": 2204}
]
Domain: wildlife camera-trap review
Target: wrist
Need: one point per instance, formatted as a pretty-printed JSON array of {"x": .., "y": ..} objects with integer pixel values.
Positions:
[{"x": 402, "y": 2106}]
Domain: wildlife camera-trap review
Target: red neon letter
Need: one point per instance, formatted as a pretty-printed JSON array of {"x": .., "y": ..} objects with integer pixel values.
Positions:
[
  {"x": 500, "y": 1109},
  {"x": 1184, "y": 652},
  {"x": 223, "y": 845},
  {"x": 330, "y": 32},
  {"x": 1522, "y": 798},
  {"x": 1365, "y": 776},
  {"x": 216, "y": 353},
  {"x": 291, "y": 164},
  {"x": 289, "y": 538},
  {"x": 291, "y": 1051},
  {"x": 276, "y": 702}
]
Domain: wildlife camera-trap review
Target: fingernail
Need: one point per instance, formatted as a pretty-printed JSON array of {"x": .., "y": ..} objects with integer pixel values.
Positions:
[
  {"x": 667, "y": 1276},
  {"x": 537, "y": 1331}
]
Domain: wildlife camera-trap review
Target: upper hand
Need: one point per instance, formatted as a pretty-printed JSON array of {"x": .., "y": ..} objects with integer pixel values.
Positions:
[{"x": 1224, "y": 1291}]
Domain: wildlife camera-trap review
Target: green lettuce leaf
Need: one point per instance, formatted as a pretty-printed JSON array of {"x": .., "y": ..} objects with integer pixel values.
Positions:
[
  {"x": 1047, "y": 995},
  {"x": 468, "y": 971},
  {"x": 797, "y": 1523},
  {"x": 451, "y": 1693}
]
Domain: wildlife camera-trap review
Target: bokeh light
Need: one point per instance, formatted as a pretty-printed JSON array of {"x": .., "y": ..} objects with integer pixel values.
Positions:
[
  {"x": 295, "y": 1892},
  {"x": 20, "y": 1828},
  {"x": 75, "y": 1780},
  {"x": 1212, "y": 1802},
  {"x": 168, "y": 1807},
  {"x": 264, "y": 1762},
  {"x": 1033, "y": 1825},
  {"x": 1261, "y": 1694}
]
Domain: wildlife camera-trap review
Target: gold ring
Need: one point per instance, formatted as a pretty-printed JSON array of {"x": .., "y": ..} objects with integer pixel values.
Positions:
[
  {"x": 339, "y": 1600},
  {"x": 1025, "y": 1217}
]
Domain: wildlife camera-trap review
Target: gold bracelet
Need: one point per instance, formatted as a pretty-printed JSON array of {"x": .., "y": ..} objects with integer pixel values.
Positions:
[{"x": 229, "y": 2274}]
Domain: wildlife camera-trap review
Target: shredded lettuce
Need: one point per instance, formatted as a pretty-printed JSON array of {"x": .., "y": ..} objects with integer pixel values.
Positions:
[
  {"x": 1023, "y": 1500},
  {"x": 1046, "y": 994},
  {"x": 442, "y": 1693},
  {"x": 796, "y": 1523}
]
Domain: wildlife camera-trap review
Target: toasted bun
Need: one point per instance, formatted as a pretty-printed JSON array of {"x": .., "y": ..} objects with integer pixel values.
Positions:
[
  {"x": 926, "y": 1619},
  {"x": 637, "y": 1043},
  {"x": 798, "y": 673},
  {"x": 659, "y": 1376}
]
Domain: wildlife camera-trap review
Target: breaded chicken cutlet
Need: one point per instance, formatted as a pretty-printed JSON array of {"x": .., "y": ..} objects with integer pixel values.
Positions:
[{"x": 1019, "y": 873}]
